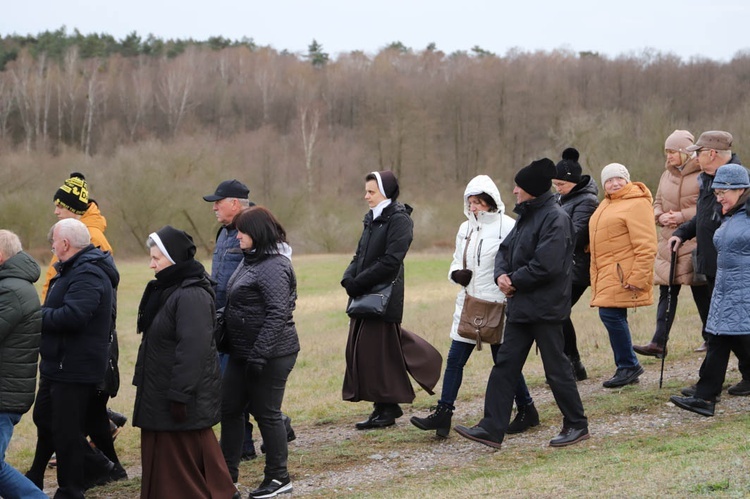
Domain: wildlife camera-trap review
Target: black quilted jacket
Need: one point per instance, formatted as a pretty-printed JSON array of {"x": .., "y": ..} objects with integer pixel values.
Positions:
[{"x": 261, "y": 297}]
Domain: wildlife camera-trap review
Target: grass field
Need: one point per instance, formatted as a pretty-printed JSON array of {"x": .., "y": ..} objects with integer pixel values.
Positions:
[{"x": 701, "y": 457}]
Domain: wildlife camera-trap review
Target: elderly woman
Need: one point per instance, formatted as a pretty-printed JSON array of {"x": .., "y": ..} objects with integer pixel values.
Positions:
[
  {"x": 262, "y": 346},
  {"x": 380, "y": 355},
  {"x": 176, "y": 376},
  {"x": 675, "y": 203},
  {"x": 623, "y": 246},
  {"x": 473, "y": 266},
  {"x": 728, "y": 324}
]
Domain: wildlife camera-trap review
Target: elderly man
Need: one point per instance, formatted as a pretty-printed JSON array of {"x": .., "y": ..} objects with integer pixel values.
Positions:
[
  {"x": 76, "y": 327},
  {"x": 533, "y": 269},
  {"x": 20, "y": 329},
  {"x": 229, "y": 199},
  {"x": 713, "y": 149}
]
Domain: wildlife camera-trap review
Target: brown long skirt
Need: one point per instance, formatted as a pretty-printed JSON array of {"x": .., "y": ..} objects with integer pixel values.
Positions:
[
  {"x": 184, "y": 464},
  {"x": 379, "y": 358}
]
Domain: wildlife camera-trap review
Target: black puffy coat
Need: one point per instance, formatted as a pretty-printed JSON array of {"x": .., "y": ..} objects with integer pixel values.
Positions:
[
  {"x": 380, "y": 255},
  {"x": 20, "y": 332},
  {"x": 703, "y": 225},
  {"x": 261, "y": 298},
  {"x": 537, "y": 255},
  {"x": 77, "y": 318},
  {"x": 177, "y": 361},
  {"x": 580, "y": 203}
]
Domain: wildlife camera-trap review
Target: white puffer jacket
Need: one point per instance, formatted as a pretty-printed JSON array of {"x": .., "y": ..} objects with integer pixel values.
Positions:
[{"x": 485, "y": 232}]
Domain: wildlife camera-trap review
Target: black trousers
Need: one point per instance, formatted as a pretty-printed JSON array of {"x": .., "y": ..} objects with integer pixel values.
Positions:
[
  {"x": 263, "y": 396},
  {"x": 702, "y": 297},
  {"x": 714, "y": 367},
  {"x": 501, "y": 387},
  {"x": 60, "y": 414},
  {"x": 569, "y": 332}
]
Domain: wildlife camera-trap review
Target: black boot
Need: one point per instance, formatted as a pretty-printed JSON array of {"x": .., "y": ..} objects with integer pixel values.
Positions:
[
  {"x": 439, "y": 420},
  {"x": 578, "y": 370},
  {"x": 526, "y": 417}
]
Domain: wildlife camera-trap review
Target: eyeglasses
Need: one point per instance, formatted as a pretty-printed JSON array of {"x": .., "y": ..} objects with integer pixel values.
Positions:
[
  {"x": 720, "y": 193},
  {"x": 701, "y": 151}
]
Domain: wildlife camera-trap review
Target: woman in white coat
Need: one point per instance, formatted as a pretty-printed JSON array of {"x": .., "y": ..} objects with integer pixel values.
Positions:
[{"x": 479, "y": 238}]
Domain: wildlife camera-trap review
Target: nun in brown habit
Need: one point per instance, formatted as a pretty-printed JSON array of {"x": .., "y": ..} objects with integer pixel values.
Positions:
[{"x": 380, "y": 354}]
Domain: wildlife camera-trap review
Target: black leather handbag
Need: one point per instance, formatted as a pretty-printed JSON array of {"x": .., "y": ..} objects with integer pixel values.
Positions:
[{"x": 371, "y": 305}]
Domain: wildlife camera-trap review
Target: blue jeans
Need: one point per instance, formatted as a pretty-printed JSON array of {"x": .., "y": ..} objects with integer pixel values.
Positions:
[
  {"x": 458, "y": 356},
  {"x": 616, "y": 322},
  {"x": 13, "y": 485}
]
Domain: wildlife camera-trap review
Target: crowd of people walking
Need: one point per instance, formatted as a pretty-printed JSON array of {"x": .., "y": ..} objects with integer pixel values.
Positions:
[{"x": 220, "y": 348}]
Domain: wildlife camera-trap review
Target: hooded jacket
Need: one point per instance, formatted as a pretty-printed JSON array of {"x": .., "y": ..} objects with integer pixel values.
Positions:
[
  {"x": 623, "y": 247},
  {"x": 77, "y": 318},
  {"x": 177, "y": 361},
  {"x": 96, "y": 224},
  {"x": 481, "y": 237},
  {"x": 20, "y": 332},
  {"x": 261, "y": 298},
  {"x": 730, "y": 302},
  {"x": 678, "y": 192},
  {"x": 705, "y": 222},
  {"x": 580, "y": 203},
  {"x": 380, "y": 255},
  {"x": 537, "y": 255}
]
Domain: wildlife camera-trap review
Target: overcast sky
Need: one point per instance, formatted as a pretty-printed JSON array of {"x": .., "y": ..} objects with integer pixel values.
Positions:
[{"x": 714, "y": 29}]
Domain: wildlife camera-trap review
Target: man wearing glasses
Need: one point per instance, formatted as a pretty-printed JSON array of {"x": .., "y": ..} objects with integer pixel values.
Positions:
[{"x": 713, "y": 149}]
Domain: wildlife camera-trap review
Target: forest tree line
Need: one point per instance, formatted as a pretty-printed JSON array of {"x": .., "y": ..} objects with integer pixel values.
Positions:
[{"x": 144, "y": 117}]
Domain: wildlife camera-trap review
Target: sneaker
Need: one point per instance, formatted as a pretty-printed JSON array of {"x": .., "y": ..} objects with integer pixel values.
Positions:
[
  {"x": 271, "y": 487},
  {"x": 741, "y": 389}
]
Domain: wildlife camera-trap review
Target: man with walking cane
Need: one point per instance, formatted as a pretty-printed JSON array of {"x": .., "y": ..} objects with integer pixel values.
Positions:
[{"x": 713, "y": 150}]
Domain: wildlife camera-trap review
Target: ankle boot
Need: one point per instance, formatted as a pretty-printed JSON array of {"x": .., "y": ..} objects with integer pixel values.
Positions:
[
  {"x": 526, "y": 417},
  {"x": 579, "y": 372},
  {"x": 439, "y": 420}
]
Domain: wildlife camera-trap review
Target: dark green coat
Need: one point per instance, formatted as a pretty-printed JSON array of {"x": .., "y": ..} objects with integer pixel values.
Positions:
[{"x": 20, "y": 332}]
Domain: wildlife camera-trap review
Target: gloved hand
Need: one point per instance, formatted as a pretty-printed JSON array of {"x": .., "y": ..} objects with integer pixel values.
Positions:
[
  {"x": 462, "y": 276},
  {"x": 254, "y": 368},
  {"x": 178, "y": 411},
  {"x": 352, "y": 288}
]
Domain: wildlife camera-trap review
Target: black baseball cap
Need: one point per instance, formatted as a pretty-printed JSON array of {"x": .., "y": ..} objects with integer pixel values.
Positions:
[{"x": 228, "y": 189}]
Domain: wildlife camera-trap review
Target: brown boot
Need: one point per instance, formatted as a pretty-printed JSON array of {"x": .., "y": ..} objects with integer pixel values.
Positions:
[{"x": 652, "y": 350}]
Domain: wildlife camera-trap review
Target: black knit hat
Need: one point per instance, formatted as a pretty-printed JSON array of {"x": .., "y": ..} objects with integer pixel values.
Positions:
[
  {"x": 73, "y": 195},
  {"x": 536, "y": 178},
  {"x": 568, "y": 168},
  {"x": 177, "y": 245}
]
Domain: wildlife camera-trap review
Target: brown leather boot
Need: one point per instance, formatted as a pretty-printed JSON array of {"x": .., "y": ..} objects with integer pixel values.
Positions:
[{"x": 652, "y": 350}]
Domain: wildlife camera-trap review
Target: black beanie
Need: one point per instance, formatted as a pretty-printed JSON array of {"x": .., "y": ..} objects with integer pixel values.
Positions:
[
  {"x": 73, "y": 195},
  {"x": 568, "y": 168},
  {"x": 387, "y": 184},
  {"x": 177, "y": 245},
  {"x": 536, "y": 178}
]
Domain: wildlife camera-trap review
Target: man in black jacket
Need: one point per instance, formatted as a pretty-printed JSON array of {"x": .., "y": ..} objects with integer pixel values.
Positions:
[
  {"x": 713, "y": 149},
  {"x": 533, "y": 269},
  {"x": 76, "y": 325}
]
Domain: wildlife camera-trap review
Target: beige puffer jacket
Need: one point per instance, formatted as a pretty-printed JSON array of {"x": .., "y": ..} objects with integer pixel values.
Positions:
[{"x": 678, "y": 191}]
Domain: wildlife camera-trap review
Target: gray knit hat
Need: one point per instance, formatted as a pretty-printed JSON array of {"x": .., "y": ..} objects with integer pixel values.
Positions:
[
  {"x": 613, "y": 170},
  {"x": 731, "y": 176}
]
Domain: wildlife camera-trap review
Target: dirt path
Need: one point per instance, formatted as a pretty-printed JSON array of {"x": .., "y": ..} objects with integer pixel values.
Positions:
[{"x": 455, "y": 451}]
